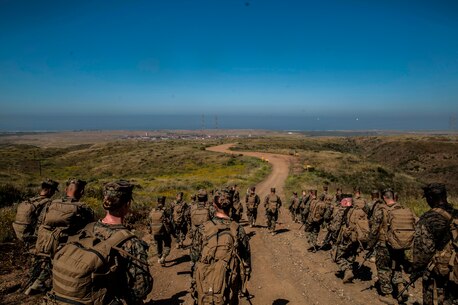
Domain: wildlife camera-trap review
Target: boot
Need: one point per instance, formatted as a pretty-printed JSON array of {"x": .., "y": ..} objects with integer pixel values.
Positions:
[
  {"x": 348, "y": 276},
  {"x": 35, "y": 288}
]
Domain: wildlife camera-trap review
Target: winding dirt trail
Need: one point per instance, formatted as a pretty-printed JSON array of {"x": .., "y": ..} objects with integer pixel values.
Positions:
[{"x": 284, "y": 272}]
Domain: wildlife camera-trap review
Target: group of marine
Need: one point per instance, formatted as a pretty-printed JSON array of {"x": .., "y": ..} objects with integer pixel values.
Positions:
[
  {"x": 78, "y": 259},
  {"x": 385, "y": 230}
]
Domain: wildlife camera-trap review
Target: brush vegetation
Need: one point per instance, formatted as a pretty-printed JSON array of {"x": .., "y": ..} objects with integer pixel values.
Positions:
[
  {"x": 403, "y": 163},
  {"x": 156, "y": 168}
]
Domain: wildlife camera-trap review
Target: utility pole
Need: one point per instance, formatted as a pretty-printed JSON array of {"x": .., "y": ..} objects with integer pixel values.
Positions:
[{"x": 216, "y": 122}]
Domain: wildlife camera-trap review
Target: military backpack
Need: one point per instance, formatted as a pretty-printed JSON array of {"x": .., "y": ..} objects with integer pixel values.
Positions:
[
  {"x": 218, "y": 268},
  {"x": 358, "y": 225},
  {"x": 84, "y": 270},
  {"x": 27, "y": 215},
  {"x": 199, "y": 215},
  {"x": 445, "y": 262},
  {"x": 400, "y": 226},
  {"x": 157, "y": 219},
  {"x": 59, "y": 217},
  {"x": 317, "y": 210}
]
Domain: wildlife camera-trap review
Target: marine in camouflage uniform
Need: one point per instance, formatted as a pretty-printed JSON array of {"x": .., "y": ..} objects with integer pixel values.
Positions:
[
  {"x": 133, "y": 281},
  {"x": 432, "y": 233},
  {"x": 328, "y": 198},
  {"x": 358, "y": 201},
  {"x": 293, "y": 208},
  {"x": 252, "y": 202},
  {"x": 346, "y": 249},
  {"x": 331, "y": 209},
  {"x": 197, "y": 219},
  {"x": 29, "y": 232},
  {"x": 162, "y": 242},
  {"x": 312, "y": 228},
  {"x": 371, "y": 205},
  {"x": 243, "y": 272},
  {"x": 43, "y": 264},
  {"x": 389, "y": 261},
  {"x": 305, "y": 199},
  {"x": 237, "y": 206},
  {"x": 180, "y": 211},
  {"x": 272, "y": 203}
]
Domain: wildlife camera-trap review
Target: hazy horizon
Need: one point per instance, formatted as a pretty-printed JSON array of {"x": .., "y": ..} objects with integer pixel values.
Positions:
[{"x": 20, "y": 123}]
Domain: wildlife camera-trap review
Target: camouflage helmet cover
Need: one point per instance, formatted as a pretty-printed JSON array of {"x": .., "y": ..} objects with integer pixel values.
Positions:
[
  {"x": 50, "y": 184},
  {"x": 434, "y": 189},
  {"x": 116, "y": 194}
]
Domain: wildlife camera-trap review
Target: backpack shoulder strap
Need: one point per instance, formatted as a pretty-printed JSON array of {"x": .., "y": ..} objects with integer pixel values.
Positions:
[
  {"x": 119, "y": 237},
  {"x": 443, "y": 213}
]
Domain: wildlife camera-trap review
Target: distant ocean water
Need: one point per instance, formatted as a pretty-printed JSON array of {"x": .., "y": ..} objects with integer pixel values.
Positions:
[{"x": 10, "y": 123}]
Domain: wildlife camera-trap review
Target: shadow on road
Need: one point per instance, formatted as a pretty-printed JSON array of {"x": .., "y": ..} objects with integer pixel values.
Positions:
[
  {"x": 280, "y": 302},
  {"x": 282, "y": 231},
  {"x": 174, "y": 300},
  {"x": 179, "y": 260}
]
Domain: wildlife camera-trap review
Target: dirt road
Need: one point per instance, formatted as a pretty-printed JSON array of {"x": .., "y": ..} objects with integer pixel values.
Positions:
[{"x": 284, "y": 272}]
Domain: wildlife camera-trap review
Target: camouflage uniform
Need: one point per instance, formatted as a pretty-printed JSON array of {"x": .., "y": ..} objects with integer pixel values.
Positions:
[
  {"x": 389, "y": 261},
  {"x": 270, "y": 201},
  {"x": 180, "y": 211},
  {"x": 162, "y": 242},
  {"x": 432, "y": 233},
  {"x": 334, "y": 225},
  {"x": 294, "y": 207},
  {"x": 347, "y": 248},
  {"x": 196, "y": 242},
  {"x": 305, "y": 200},
  {"x": 243, "y": 254},
  {"x": 329, "y": 215},
  {"x": 312, "y": 227},
  {"x": 135, "y": 281},
  {"x": 359, "y": 202},
  {"x": 43, "y": 265},
  {"x": 237, "y": 207},
  {"x": 252, "y": 202}
]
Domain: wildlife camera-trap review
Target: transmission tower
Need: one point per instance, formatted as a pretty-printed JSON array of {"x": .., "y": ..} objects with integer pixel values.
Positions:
[{"x": 216, "y": 122}]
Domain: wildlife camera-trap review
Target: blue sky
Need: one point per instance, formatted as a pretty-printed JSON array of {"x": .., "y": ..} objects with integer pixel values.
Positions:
[{"x": 229, "y": 57}]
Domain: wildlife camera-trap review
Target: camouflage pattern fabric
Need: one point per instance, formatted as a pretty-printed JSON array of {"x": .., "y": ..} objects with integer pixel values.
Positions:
[
  {"x": 135, "y": 278},
  {"x": 335, "y": 225},
  {"x": 272, "y": 218},
  {"x": 359, "y": 202},
  {"x": 252, "y": 210},
  {"x": 389, "y": 262},
  {"x": 182, "y": 220},
  {"x": 294, "y": 208},
  {"x": 243, "y": 252},
  {"x": 346, "y": 253},
  {"x": 163, "y": 242},
  {"x": 432, "y": 233},
  {"x": 313, "y": 230},
  {"x": 43, "y": 265}
]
